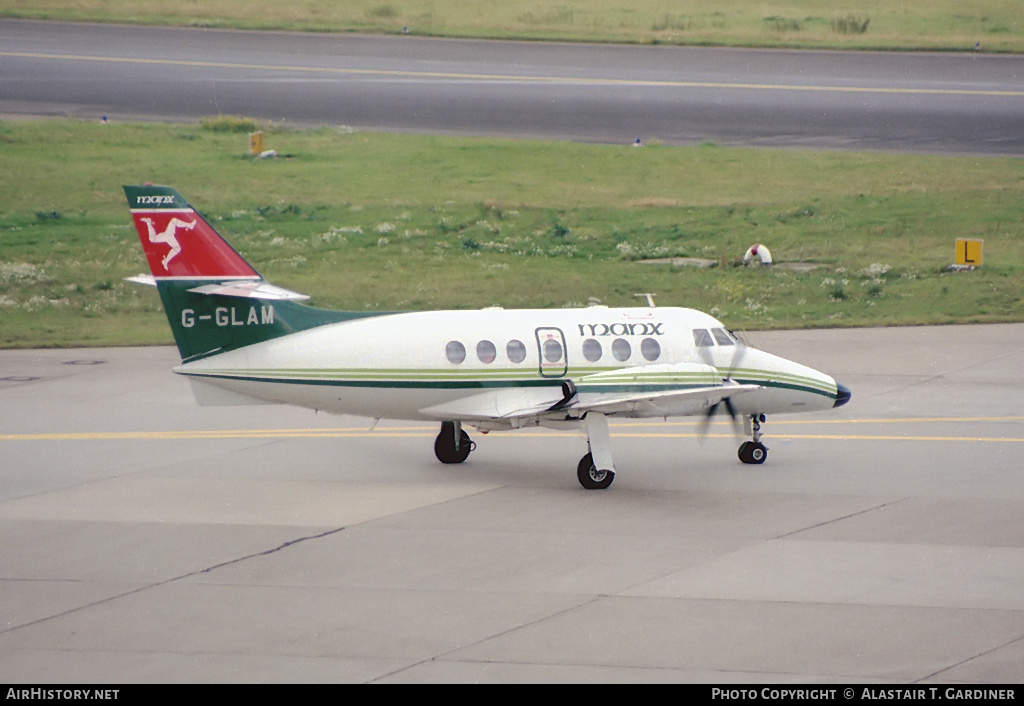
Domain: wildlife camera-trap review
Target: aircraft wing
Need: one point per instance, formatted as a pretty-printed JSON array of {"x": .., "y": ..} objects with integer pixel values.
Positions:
[
  {"x": 652, "y": 390},
  {"x": 506, "y": 403},
  {"x": 662, "y": 403},
  {"x": 665, "y": 390}
]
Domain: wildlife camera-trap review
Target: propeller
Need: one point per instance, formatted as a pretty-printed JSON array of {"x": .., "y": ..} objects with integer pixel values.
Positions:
[{"x": 739, "y": 353}]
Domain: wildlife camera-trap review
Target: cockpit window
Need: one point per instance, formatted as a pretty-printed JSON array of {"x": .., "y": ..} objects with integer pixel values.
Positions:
[
  {"x": 722, "y": 337},
  {"x": 702, "y": 338}
]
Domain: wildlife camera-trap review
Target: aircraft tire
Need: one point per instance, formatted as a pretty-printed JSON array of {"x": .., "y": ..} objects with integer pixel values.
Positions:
[
  {"x": 590, "y": 477},
  {"x": 753, "y": 452},
  {"x": 444, "y": 445}
]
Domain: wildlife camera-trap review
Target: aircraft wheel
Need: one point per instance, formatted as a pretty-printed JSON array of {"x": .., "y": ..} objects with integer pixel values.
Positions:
[
  {"x": 444, "y": 445},
  {"x": 753, "y": 452},
  {"x": 590, "y": 477}
]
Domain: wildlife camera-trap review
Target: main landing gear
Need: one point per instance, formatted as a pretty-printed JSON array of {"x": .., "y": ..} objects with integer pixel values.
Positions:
[
  {"x": 590, "y": 477},
  {"x": 596, "y": 470},
  {"x": 753, "y": 451},
  {"x": 453, "y": 445}
]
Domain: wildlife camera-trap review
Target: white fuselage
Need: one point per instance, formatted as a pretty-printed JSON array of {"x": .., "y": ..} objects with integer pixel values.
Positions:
[{"x": 396, "y": 365}]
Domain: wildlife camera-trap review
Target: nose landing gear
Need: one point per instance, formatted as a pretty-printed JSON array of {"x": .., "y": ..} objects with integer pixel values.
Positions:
[{"x": 754, "y": 452}]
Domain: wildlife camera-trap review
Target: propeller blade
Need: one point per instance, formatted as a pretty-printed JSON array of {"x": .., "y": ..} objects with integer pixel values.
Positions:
[
  {"x": 713, "y": 409},
  {"x": 735, "y": 417},
  {"x": 707, "y": 421},
  {"x": 737, "y": 357}
]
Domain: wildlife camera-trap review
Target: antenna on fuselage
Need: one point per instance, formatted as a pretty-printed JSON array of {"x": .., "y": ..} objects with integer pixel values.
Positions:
[{"x": 650, "y": 298}]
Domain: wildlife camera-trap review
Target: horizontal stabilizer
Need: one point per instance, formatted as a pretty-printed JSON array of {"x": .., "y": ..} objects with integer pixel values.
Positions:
[
  {"x": 148, "y": 280},
  {"x": 249, "y": 289}
]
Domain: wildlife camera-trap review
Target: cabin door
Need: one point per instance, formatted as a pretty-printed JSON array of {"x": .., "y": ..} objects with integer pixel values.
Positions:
[{"x": 554, "y": 361}]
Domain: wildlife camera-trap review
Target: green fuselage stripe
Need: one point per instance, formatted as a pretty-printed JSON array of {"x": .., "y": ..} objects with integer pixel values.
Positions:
[{"x": 438, "y": 380}]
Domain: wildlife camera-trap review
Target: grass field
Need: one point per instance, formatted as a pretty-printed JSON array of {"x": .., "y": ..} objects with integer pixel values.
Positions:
[
  {"x": 385, "y": 222},
  {"x": 955, "y": 25}
]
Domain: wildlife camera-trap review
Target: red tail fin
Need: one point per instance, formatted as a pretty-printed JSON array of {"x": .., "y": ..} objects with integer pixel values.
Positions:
[{"x": 179, "y": 243}]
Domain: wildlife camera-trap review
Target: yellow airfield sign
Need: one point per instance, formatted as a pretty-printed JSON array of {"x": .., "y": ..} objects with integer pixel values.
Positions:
[
  {"x": 255, "y": 143},
  {"x": 969, "y": 252}
]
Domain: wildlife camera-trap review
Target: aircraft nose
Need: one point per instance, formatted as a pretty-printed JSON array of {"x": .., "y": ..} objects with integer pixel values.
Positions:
[{"x": 842, "y": 395}]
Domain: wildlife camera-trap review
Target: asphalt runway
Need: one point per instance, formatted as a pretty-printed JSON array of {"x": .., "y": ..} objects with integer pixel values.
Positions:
[
  {"x": 929, "y": 102},
  {"x": 146, "y": 539}
]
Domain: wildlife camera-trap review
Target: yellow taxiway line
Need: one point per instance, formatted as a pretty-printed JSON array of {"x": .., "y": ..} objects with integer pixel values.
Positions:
[{"x": 625, "y": 429}]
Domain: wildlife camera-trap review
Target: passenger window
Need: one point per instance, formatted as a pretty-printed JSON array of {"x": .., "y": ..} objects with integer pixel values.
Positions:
[
  {"x": 592, "y": 350},
  {"x": 702, "y": 338},
  {"x": 552, "y": 351},
  {"x": 455, "y": 351},
  {"x": 722, "y": 337},
  {"x": 650, "y": 349},
  {"x": 516, "y": 351},
  {"x": 486, "y": 352},
  {"x": 621, "y": 349}
]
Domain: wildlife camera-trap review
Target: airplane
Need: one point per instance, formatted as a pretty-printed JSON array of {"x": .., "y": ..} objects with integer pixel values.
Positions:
[{"x": 244, "y": 340}]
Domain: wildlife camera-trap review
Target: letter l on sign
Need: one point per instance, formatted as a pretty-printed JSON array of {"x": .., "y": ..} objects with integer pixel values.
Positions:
[{"x": 969, "y": 252}]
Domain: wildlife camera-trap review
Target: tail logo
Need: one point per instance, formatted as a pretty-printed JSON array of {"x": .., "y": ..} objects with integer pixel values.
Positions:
[{"x": 168, "y": 236}]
